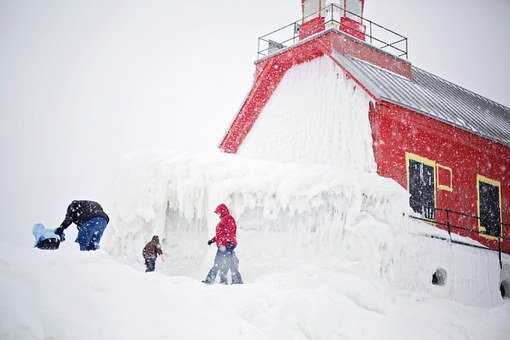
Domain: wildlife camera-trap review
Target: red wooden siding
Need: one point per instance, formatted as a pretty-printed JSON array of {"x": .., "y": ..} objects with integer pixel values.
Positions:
[{"x": 396, "y": 130}]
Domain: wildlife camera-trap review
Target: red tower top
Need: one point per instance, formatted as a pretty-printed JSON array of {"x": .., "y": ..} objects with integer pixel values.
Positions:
[{"x": 346, "y": 15}]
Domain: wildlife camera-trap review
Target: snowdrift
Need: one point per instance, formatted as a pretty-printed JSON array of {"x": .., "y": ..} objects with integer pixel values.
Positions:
[{"x": 68, "y": 294}]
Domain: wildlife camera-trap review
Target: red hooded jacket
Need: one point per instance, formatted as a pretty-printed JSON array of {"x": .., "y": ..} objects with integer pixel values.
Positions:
[{"x": 226, "y": 229}]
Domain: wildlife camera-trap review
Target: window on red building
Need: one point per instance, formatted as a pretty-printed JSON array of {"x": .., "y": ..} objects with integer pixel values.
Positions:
[
  {"x": 489, "y": 206},
  {"x": 421, "y": 178}
]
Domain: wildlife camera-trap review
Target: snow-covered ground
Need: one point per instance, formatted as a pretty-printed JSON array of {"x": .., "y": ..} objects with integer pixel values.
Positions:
[{"x": 68, "y": 294}]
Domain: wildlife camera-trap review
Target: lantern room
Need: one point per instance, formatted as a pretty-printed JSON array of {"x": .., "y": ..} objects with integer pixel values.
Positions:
[{"x": 345, "y": 15}]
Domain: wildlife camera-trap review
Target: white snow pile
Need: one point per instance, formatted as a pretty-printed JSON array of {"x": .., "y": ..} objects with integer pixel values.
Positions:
[{"x": 67, "y": 294}]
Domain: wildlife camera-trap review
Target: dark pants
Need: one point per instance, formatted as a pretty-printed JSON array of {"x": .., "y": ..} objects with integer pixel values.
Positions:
[
  {"x": 219, "y": 265},
  {"x": 90, "y": 232},
  {"x": 232, "y": 263},
  {"x": 150, "y": 263},
  {"x": 223, "y": 262}
]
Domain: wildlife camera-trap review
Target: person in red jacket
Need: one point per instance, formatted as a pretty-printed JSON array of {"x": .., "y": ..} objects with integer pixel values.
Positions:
[{"x": 226, "y": 242}]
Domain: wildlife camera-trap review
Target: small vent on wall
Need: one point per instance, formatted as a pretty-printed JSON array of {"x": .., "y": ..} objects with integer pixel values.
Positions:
[{"x": 439, "y": 277}]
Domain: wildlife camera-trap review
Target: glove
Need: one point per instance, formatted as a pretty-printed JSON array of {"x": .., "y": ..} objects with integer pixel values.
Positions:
[
  {"x": 210, "y": 242},
  {"x": 230, "y": 246},
  {"x": 60, "y": 232}
]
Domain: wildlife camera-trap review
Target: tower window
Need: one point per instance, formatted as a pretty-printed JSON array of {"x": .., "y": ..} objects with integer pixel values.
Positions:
[
  {"x": 311, "y": 7},
  {"x": 354, "y": 7}
]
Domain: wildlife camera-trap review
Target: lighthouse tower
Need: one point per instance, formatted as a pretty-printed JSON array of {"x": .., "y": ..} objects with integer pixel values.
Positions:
[
  {"x": 335, "y": 88},
  {"x": 326, "y": 29},
  {"x": 347, "y": 14}
]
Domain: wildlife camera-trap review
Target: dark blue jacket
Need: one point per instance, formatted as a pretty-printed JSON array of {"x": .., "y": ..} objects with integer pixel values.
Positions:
[{"x": 80, "y": 212}]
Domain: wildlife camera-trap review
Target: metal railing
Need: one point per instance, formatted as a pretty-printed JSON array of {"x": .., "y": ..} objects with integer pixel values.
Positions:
[
  {"x": 375, "y": 34},
  {"x": 468, "y": 228}
]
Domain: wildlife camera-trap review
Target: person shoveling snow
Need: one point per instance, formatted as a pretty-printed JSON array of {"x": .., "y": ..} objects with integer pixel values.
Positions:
[
  {"x": 91, "y": 221},
  {"x": 45, "y": 238}
]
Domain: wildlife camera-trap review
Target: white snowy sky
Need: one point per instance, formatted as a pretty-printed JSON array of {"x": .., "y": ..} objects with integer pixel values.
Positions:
[{"x": 84, "y": 82}]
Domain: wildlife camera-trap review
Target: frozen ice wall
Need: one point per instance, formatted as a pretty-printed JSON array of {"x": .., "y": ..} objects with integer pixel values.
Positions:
[
  {"x": 283, "y": 209},
  {"x": 290, "y": 216},
  {"x": 316, "y": 116}
]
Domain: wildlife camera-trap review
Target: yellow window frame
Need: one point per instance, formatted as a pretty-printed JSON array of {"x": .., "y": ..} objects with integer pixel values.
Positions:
[
  {"x": 411, "y": 156},
  {"x": 445, "y": 187},
  {"x": 493, "y": 182}
]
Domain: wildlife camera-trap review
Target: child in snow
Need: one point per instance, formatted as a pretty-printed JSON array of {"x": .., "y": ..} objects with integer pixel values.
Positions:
[
  {"x": 45, "y": 238},
  {"x": 151, "y": 252}
]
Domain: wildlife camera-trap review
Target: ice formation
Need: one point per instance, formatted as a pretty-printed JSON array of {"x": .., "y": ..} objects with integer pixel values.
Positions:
[
  {"x": 291, "y": 214},
  {"x": 288, "y": 208},
  {"x": 316, "y": 115}
]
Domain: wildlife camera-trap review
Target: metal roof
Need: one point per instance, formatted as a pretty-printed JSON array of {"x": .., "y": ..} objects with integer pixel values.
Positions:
[{"x": 435, "y": 97}]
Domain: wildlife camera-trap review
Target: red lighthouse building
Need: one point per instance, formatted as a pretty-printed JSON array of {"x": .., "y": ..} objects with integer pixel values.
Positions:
[{"x": 449, "y": 147}]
